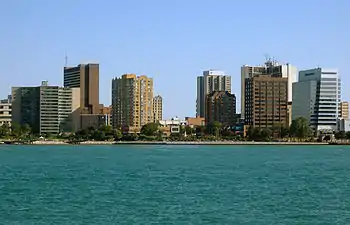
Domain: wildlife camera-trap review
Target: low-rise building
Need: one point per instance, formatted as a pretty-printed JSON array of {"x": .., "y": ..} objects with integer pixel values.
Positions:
[
  {"x": 195, "y": 121},
  {"x": 172, "y": 126}
]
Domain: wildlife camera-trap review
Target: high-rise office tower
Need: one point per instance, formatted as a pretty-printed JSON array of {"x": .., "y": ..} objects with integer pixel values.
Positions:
[
  {"x": 344, "y": 110},
  {"x": 211, "y": 80},
  {"x": 85, "y": 77},
  {"x": 46, "y": 109},
  {"x": 266, "y": 101},
  {"x": 316, "y": 97},
  {"x": 221, "y": 107},
  {"x": 270, "y": 68},
  {"x": 132, "y": 101},
  {"x": 157, "y": 108}
]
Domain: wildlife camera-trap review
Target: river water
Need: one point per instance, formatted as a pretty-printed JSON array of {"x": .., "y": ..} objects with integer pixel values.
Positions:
[{"x": 174, "y": 185}]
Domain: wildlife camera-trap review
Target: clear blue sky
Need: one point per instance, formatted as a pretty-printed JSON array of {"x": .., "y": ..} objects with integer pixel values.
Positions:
[{"x": 171, "y": 41}]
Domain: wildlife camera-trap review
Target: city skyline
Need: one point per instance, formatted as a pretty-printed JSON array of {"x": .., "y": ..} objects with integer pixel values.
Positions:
[{"x": 171, "y": 49}]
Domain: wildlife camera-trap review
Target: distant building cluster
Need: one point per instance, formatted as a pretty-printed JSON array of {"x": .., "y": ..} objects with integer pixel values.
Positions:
[{"x": 272, "y": 94}]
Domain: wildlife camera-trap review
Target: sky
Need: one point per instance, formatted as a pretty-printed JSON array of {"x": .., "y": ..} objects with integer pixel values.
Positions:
[{"x": 171, "y": 41}]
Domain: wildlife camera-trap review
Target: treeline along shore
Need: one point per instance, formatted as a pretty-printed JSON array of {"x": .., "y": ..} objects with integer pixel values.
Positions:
[{"x": 299, "y": 133}]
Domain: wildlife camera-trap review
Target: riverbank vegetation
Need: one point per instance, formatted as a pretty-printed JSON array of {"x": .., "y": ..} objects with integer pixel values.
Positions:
[{"x": 298, "y": 131}]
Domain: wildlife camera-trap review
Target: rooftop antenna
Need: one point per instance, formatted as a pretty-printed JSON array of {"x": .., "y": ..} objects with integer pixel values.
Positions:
[{"x": 66, "y": 60}]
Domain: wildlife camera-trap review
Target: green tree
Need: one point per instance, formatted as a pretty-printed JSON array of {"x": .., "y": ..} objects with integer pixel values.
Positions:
[
  {"x": 5, "y": 130},
  {"x": 150, "y": 129},
  {"x": 189, "y": 130},
  {"x": 300, "y": 128},
  {"x": 118, "y": 134},
  {"x": 266, "y": 134},
  {"x": 280, "y": 130},
  {"x": 347, "y": 134},
  {"x": 16, "y": 131},
  {"x": 340, "y": 135},
  {"x": 214, "y": 128}
]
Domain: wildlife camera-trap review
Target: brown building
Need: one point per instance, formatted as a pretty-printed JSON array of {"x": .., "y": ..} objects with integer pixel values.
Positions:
[
  {"x": 266, "y": 101},
  {"x": 132, "y": 101},
  {"x": 344, "y": 110},
  {"x": 86, "y": 77},
  {"x": 157, "y": 108},
  {"x": 195, "y": 121},
  {"x": 221, "y": 107}
]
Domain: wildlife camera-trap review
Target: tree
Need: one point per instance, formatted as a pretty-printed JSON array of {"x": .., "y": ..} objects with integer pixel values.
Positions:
[
  {"x": 214, "y": 128},
  {"x": 340, "y": 135},
  {"x": 26, "y": 129},
  {"x": 4, "y": 130},
  {"x": 347, "y": 134},
  {"x": 200, "y": 131},
  {"x": 150, "y": 129},
  {"x": 300, "y": 128},
  {"x": 265, "y": 134},
  {"x": 117, "y": 134},
  {"x": 189, "y": 130},
  {"x": 16, "y": 130},
  {"x": 280, "y": 130}
]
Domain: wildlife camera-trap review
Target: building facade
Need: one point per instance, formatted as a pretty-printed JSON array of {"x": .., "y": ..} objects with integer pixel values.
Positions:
[
  {"x": 221, "y": 107},
  {"x": 132, "y": 101},
  {"x": 195, "y": 121},
  {"x": 85, "y": 77},
  {"x": 266, "y": 101},
  {"x": 344, "y": 110},
  {"x": 6, "y": 112},
  {"x": 270, "y": 68},
  {"x": 210, "y": 81},
  {"x": 157, "y": 108},
  {"x": 316, "y": 97},
  {"x": 46, "y": 109}
]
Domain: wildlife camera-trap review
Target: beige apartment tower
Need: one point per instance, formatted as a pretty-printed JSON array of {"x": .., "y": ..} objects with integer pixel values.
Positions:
[
  {"x": 85, "y": 77},
  {"x": 132, "y": 101},
  {"x": 157, "y": 108},
  {"x": 344, "y": 110}
]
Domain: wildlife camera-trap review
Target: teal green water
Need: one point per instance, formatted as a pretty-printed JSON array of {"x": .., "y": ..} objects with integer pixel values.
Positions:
[{"x": 174, "y": 185}]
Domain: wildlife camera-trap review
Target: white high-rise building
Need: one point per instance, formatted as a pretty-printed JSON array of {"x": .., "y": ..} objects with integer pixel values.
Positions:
[
  {"x": 270, "y": 68},
  {"x": 316, "y": 97},
  {"x": 212, "y": 80}
]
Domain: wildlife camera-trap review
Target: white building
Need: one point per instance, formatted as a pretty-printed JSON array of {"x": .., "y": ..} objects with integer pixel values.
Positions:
[
  {"x": 174, "y": 124},
  {"x": 316, "y": 96},
  {"x": 269, "y": 68},
  {"x": 212, "y": 80}
]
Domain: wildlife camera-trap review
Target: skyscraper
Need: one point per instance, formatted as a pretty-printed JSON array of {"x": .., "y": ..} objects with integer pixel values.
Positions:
[
  {"x": 270, "y": 68},
  {"x": 210, "y": 81},
  {"x": 85, "y": 77},
  {"x": 132, "y": 101},
  {"x": 157, "y": 108},
  {"x": 266, "y": 101},
  {"x": 316, "y": 97}
]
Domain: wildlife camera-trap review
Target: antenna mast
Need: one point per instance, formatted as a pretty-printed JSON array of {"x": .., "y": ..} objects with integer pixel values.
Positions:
[{"x": 66, "y": 60}]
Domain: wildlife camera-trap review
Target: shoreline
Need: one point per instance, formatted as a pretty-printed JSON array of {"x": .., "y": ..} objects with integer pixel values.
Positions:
[{"x": 173, "y": 143}]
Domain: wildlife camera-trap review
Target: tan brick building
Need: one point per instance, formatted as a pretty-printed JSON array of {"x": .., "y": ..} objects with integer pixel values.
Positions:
[{"x": 132, "y": 101}]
